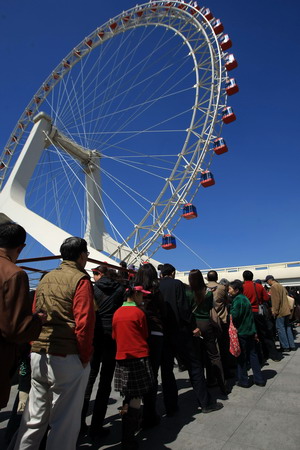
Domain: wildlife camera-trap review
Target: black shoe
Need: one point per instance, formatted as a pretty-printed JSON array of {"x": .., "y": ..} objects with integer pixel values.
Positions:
[
  {"x": 211, "y": 384},
  {"x": 260, "y": 384},
  {"x": 246, "y": 386},
  {"x": 100, "y": 433},
  {"x": 150, "y": 422},
  {"x": 211, "y": 408},
  {"x": 285, "y": 350},
  {"x": 293, "y": 349},
  {"x": 84, "y": 429},
  {"x": 171, "y": 412},
  {"x": 277, "y": 358},
  {"x": 224, "y": 389}
]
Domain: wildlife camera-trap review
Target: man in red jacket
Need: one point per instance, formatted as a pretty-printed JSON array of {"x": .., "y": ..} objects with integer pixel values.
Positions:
[
  {"x": 60, "y": 356},
  {"x": 17, "y": 324},
  {"x": 256, "y": 293}
]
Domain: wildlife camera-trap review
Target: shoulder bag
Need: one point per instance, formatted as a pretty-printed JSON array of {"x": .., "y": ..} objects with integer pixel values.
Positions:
[{"x": 234, "y": 344}]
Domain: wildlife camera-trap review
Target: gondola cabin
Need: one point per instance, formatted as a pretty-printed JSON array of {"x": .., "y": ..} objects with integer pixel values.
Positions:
[
  {"x": 217, "y": 26},
  {"x": 225, "y": 42},
  {"x": 189, "y": 211},
  {"x": 113, "y": 26},
  {"x": 168, "y": 242},
  {"x": 220, "y": 146},
  {"x": 207, "y": 179},
  {"x": 207, "y": 13},
  {"x": 231, "y": 87},
  {"x": 182, "y": 6},
  {"x": 230, "y": 62},
  {"x": 66, "y": 64},
  {"x": 228, "y": 115},
  {"x": 195, "y": 9}
]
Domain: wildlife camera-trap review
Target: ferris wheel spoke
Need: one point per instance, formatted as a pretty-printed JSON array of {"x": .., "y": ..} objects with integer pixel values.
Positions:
[
  {"x": 141, "y": 104},
  {"x": 106, "y": 93},
  {"x": 154, "y": 126}
]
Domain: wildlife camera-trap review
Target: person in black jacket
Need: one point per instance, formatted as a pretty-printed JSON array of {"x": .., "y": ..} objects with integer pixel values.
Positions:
[
  {"x": 108, "y": 292},
  {"x": 154, "y": 308},
  {"x": 179, "y": 339}
]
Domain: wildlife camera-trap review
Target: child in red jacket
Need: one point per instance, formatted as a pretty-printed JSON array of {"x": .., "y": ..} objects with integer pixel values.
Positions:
[{"x": 133, "y": 375}]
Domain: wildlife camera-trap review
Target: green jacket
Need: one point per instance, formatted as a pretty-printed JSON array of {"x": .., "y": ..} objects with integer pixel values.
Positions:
[
  {"x": 201, "y": 312},
  {"x": 242, "y": 315}
]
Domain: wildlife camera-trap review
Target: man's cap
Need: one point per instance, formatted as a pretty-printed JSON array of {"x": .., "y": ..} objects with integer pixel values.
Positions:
[{"x": 269, "y": 277}]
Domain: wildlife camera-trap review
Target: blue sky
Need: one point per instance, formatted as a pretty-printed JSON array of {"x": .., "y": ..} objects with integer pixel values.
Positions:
[{"x": 251, "y": 215}]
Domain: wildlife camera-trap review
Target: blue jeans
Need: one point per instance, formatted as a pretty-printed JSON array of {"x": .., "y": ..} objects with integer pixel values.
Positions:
[
  {"x": 285, "y": 332},
  {"x": 248, "y": 352}
]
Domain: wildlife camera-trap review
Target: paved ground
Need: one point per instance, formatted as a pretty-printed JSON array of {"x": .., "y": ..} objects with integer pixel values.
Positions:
[{"x": 256, "y": 418}]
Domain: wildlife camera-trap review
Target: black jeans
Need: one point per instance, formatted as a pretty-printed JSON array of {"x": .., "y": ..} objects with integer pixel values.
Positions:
[
  {"x": 185, "y": 345},
  {"x": 265, "y": 337},
  {"x": 155, "y": 356},
  {"x": 104, "y": 355}
]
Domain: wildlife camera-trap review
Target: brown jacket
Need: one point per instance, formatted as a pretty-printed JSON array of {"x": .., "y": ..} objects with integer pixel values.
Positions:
[
  {"x": 17, "y": 324},
  {"x": 280, "y": 304},
  {"x": 55, "y": 295},
  {"x": 220, "y": 299}
]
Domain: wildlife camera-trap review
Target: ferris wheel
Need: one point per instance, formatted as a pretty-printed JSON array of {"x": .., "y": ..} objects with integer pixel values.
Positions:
[{"x": 121, "y": 135}]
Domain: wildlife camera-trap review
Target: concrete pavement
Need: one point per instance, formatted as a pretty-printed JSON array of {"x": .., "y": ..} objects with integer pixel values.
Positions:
[{"x": 258, "y": 418}]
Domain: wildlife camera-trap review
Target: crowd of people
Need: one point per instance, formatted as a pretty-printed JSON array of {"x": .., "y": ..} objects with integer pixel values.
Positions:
[{"x": 125, "y": 327}]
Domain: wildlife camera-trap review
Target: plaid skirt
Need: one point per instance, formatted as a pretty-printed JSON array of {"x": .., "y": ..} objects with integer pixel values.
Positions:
[{"x": 133, "y": 377}]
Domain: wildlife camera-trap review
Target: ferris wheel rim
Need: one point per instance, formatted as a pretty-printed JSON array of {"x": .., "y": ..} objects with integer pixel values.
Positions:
[{"x": 25, "y": 121}]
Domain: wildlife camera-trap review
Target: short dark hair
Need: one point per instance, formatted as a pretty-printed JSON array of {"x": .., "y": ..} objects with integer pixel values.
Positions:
[
  {"x": 12, "y": 235},
  {"x": 212, "y": 275},
  {"x": 237, "y": 284},
  {"x": 167, "y": 269},
  {"x": 248, "y": 275},
  {"x": 72, "y": 248},
  {"x": 100, "y": 269}
]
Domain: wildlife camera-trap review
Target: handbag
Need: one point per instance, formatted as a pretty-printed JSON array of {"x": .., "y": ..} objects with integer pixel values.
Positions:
[
  {"x": 291, "y": 303},
  {"x": 234, "y": 344},
  {"x": 260, "y": 305},
  {"x": 263, "y": 308}
]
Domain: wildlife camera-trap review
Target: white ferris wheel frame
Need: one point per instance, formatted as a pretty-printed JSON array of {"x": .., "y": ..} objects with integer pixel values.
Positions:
[{"x": 196, "y": 31}]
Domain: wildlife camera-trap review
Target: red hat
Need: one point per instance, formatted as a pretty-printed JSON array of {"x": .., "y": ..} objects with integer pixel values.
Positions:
[{"x": 141, "y": 289}]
